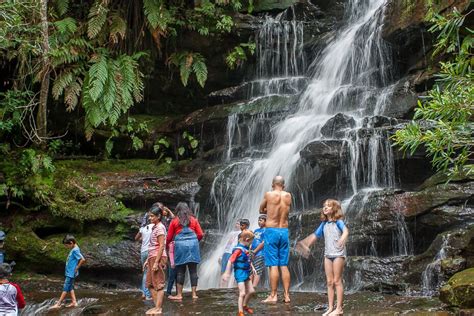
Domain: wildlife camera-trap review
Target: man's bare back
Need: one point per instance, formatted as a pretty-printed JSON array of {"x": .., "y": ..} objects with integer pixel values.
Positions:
[{"x": 276, "y": 204}]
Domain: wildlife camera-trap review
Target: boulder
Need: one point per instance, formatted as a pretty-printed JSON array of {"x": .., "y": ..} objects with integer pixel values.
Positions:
[
  {"x": 459, "y": 291},
  {"x": 336, "y": 125}
]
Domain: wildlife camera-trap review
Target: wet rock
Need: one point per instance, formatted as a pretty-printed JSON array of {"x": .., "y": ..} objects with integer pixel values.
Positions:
[
  {"x": 416, "y": 203},
  {"x": 447, "y": 254},
  {"x": 258, "y": 88},
  {"x": 452, "y": 265},
  {"x": 336, "y": 125},
  {"x": 403, "y": 17},
  {"x": 121, "y": 256},
  {"x": 138, "y": 191},
  {"x": 270, "y": 5},
  {"x": 375, "y": 273},
  {"x": 403, "y": 99},
  {"x": 447, "y": 216},
  {"x": 459, "y": 290},
  {"x": 325, "y": 153},
  {"x": 320, "y": 168},
  {"x": 405, "y": 27},
  {"x": 378, "y": 121}
]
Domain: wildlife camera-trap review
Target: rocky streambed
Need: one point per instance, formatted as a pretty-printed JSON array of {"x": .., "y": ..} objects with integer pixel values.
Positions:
[{"x": 113, "y": 299}]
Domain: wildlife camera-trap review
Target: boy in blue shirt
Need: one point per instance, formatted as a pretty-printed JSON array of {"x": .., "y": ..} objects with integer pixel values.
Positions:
[
  {"x": 258, "y": 259},
  {"x": 74, "y": 261}
]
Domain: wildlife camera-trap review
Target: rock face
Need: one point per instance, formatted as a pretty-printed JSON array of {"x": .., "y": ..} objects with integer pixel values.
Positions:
[
  {"x": 336, "y": 126},
  {"x": 459, "y": 290}
]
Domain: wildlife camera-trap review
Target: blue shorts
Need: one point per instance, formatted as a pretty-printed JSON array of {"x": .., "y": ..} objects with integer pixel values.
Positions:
[
  {"x": 224, "y": 260},
  {"x": 68, "y": 284},
  {"x": 277, "y": 247},
  {"x": 241, "y": 275}
]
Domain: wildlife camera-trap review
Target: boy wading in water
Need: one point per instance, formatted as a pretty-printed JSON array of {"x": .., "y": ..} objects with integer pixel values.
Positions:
[
  {"x": 240, "y": 258},
  {"x": 335, "y": 234},
  {"x": 74, "y": 261}
]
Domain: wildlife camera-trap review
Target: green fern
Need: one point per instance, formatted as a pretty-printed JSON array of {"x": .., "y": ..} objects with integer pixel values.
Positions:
[
  {"x": 187, "y": 63},
  {"x": 98, "y": 76},
  {"x": 152, "y": 9},
  {"x": 97, "y": 17},
  {"x": 71, "y": 95},
  {"x": 66, "y": 26},
  {"x": 61, "y": 6},
  {"x": 64, "y": 79},
  {"x": 118, "y": 28},
  {"x": 111, "y": 87},
  {"x": 200, "y": 69}
]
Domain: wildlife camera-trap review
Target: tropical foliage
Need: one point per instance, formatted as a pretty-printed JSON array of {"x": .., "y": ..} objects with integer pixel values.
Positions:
[
  {"x": 443, "y": 122},
  {"x": 87, "y": 63}
]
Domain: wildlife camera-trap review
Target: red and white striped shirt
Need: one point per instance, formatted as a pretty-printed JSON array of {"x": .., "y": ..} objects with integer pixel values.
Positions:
[
  {"x": 157, "y": 230},
  {"x": 11, "y": 299}
]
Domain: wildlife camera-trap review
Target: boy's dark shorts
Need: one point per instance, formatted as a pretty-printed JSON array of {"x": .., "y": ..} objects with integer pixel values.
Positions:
[{"x": 68, "y": 284}]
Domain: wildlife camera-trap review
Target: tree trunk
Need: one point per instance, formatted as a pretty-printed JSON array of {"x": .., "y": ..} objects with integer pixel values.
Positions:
[{"x": 41, "y": 116}]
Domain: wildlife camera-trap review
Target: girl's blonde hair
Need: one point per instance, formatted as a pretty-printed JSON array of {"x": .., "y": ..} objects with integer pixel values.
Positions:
[{"x": 337, "y": 210}]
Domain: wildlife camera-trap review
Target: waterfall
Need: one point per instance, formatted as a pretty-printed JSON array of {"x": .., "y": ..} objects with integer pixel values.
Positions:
[
  {"x": 349, "y": 76},
  {"x": 431, "y": 276}
]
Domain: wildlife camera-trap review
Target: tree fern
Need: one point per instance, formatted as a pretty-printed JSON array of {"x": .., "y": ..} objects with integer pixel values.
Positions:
[
  {"x": 111, "y": 87},
  {"x": 64, "y": 79},
  {"x": 98, "y": 74},
  {"x": 97, "y": 17},
  {"x": 71, "y": 94},
  {"x": 61, "y": 6},
  {"x": 66, "y": 26},
  {"x": 152, "y": 9},
  {"x": 200, "y": 69},
  {"x": 118, "y": 28},
  {"x": 187, "y": 63}
]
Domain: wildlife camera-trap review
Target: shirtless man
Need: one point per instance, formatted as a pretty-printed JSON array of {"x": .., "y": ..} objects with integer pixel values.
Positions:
[{"x": 276, "y": 204}]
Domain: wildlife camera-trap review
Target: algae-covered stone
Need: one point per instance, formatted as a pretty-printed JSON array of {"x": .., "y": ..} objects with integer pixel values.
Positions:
[
  {"x": 28, "y": 250},
  {"x": 459, "y": 291}
]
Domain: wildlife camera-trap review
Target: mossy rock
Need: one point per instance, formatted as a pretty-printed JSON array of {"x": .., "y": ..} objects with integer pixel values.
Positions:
[
  {"x": 30, "y": 251},
  {"x": 272, "y": 5},
  {"x": 459, "y": 291}
]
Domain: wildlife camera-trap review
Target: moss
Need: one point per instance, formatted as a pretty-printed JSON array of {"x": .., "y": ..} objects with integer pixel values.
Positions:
[
  {"x": 24, "y": 246},
  {"x": 79, "y": 189},
  {"x": 459, "y": 291},
  {"x": 101, "y": 207},
  {"x": 443, "y": 177},
  {"x": 68, "y": 168}
]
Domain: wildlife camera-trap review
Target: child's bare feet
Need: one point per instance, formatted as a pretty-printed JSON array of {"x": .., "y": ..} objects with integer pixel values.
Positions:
[
  {"x": 270, "y": 299},
  {"x": 151, "y": 311},
  {"x": 329, "y": 311},
  {"x": 337, "y": 311},
  {"x": 287, "y": 299},
  {"x": 72, "y": 304},
  {"x": 56, "y": 306},
  {"x": 175, "y": 297}
]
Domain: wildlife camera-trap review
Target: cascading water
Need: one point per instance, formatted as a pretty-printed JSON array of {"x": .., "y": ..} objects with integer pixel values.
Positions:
[
  {"x": 350, "y": 75},
  {"x": 430, "y": 277}
]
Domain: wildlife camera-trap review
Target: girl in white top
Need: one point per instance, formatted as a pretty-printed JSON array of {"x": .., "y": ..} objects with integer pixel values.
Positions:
[{"x": 335, "y": 233}]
